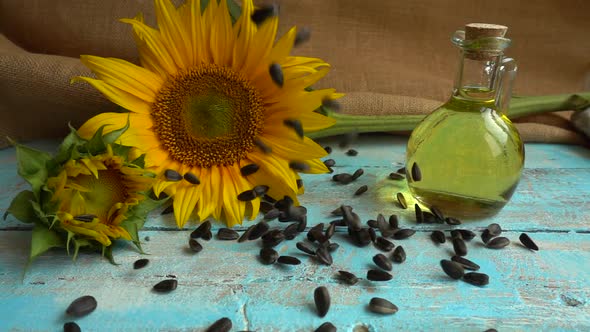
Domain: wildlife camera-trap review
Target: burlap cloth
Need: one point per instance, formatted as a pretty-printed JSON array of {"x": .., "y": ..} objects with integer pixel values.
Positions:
[{"x": 390, "y": 57}]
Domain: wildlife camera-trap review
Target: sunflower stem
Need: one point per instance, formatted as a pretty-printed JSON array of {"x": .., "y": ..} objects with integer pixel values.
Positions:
[{"x": 519, "y": 107}]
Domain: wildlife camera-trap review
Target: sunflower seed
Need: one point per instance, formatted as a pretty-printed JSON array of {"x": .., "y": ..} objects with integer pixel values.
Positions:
[
  {"x": 284, "y": 204},
  {"x": 358, "y": 173},
  {"x": 382, "y": 306},
  {"x": 528, "y": 242},
  {"x": 303, "y": 34},
  {"x": 328, "y": 149},
  {"x": 352, "y": 152},
  {"x": 494, "y": 229},
  {"x": 140, "y": 263},
  {"x": 207, "y": 236},
  {"x": 348, "y": 277},
  {"x": 361, "y": 238},
  {"x": 399, "y": 255},
  {"x": 295, "y": 125},
  {"x": 491, "y": 330},
  {"x": 402, "y": 170},
  {"x": 428, "y": 218},
  {"x": 201, "y": 230},
  {"x": 437, "y": 212},
  {"x": 343, "y": 178},
  {"x": 172, "y": 175},
  {"x": 294, "y": 213},
  {"x": 452, "y": 221},
  {"x": 396, "y": 176},
  {"x": 302, "y": 224},
  {"x": 382, "y": 261},
  {"x": 459, "y": 247},
  {"x": 416, "y": 173},
  {"x": 82, "y": 306},
  {"x": 291, "y": 231},
  {"x": 452, "y": 269},
  {"x": 326, "y": 327},
  {"x": 268, "y": 256},
  {"x": 476, "y": 278},
  {"x": 71, "y": 327},
  {"x": 247, "y": 195},
  {"x": 378, "y": 275},
  {"x": 467, "y": 264},
  {"x": 272, "y": 238},
  {"x": 332, "y": 104},
  {"x": 167, "y": 210},
  {"x": 329, "y": 162},
  {"x": 276, "y": 73},
  {"x": 372, "y": 234},
  {"x": 299, "y": 166},
  {"x": 384, "y": 244},
  {"x": 393, "y": 221},
  {"x": 466, "y": 234},
  {"x": 195, "y": 245},
  {"x": 333, "y": 246},
  {"x": 222, "y": 325},
  {"x": 419, "y": 214},
  {"x": 338, "y": 211},
  {"x": 372, "y": 223},
  {"x": 317, "y": 229},
  {"x": 85, "y": 217},
  {"x": 289, "y": 260},
  {"x": 299, "y": 183},
  {"x": 438, "y": 237},
  {"x": 272, "y": 214},
  {"x": 263, "y": 13},
  {"x": 321, "y": 297},
  {"x": 246, "y": 234},
  {"x": 323, "y": 255},
  {"x": 227, "y": 234},
  {"x": 306, "y": 248},
  {"x": 259, "y": 229},
  {"x": 402, "y": 200},
  {"x": 498, "y": 243},
  {"x": 266, "y": 206},
  {"x": 330, "y": 231},
  {"x": 455, "y": 234},
  {"x": 486, "y": 236},
  {"x": 381, "y": 220},
  {"x": 191, "y": 178},
  {"x": 263, "y": 147},
  {"x": 361, "y": 190},
  {"x": 403, "y": 233},
  {"x": 166, "y": 286},
  {"x": 260, "y": 190},
  {"x": 352, "y": 220},
  {"x": 249, "y": 169}
]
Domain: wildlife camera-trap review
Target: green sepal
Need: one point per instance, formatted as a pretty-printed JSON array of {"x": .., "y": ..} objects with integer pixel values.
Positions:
[
  {"x": 79, "y": 243},
  {"x": 139, "y": 161},
  {"x": 136, "y": 217},
  {"x": 234, "y": 10},
  {"x": 96, "y": 144},
  {"x": 121, "y": 150},
  {"x": 39, "y": 212},
  {"x": 21, "y": 208},
  {"x": 108, "y": 253},
  {"x": 68, "y": 149},
  {"x": 114, "y": 135},
  {"x": 43, "y": 239},
  {"x": 32, "y": 166}
]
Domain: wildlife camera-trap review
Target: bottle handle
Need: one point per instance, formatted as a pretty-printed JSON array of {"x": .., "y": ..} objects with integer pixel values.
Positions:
[{"x": 506, "y": 75}]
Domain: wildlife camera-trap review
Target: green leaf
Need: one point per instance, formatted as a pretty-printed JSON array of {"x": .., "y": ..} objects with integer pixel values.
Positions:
[
  {"x": 111, "y": 137},
  {"x": 32, "y": 166},
  {"x": 43, "y": 239},
  {"x": 21, "y": 207}
]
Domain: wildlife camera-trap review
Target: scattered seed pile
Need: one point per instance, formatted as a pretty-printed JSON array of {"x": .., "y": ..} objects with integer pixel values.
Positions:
[{"x": 320, "y": 246}]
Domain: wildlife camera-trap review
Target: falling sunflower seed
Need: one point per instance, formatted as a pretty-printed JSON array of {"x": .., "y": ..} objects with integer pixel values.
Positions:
[
  {"x": 396, "y": 176},
  {"x": 352, "y": 152},
  {"x": 382, "y": 306},
  {"x": 476, "y": 278},
  {"x": 291, "y": 231},
  {"x": 299, "y": 166},
  {"x": 222, "y": 325},
  {"x": 378, "y": 275},
  {"x": 263, "y": 13},
  {"x": 528, "y": 242},
  {"x": 326, "y": 327},
  {"x": 276, "y": 73},
  {"x": 303, "y": 34},
  {"x": 272, "y": 214},
  {"x": 172, "y": 175},
  {"x": 402, "y": 200},
  {"x": 438, "y": 237},
  {"x": 486, "y": 236},
  {"x": 227, "y": 234},
  {"x": 82, "y": 306},
  {"x": 191, "y": 178},
  {"x": 328, "y": 149},
  {"x": 348, "y": 277},
  {"x": 244, "y": 237},
  {"x": 306, "y": 248},
  {"x": 85, "y": 217},
  {"x": 452, "y": 221},
  {"x": 358, "y": 173},
  {"x": 195, "y": 245},
  {"x": 72, "y": 327},
  {"x": 263, "y": 147},
  {"x": 329, "y": 162},
  {"x": 361, "y": 190},
  {"x": 498, "y": 243},
  {"x": 295, "y": 125},
  {"x": 247, "y": 195},
  {"x": 166, "y": 286},
  {"x": 452, "y": 269},
  {"x": 260, "y": 190},
  {"x": 321, "y": 297},
  {"x": 399, "y": 255},
  {"x": 288, "y": 260},
  {"x": 383, "y": 262},
  {"x": 268, "y": 256},
  {"x": 467, "y": 264},
  {"x": 249, "y": 169}
]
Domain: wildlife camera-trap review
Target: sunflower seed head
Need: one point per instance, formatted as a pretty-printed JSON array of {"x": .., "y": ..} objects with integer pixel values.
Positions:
[
  {"x": 265, "y": 12},
  {"x": 166, "y": 286},
  {"x": 221, "y": 325},
  {"x": 276, "y": 74},
  {"x": 528, "y": 242},
  {"x": 476, "y": 278},
  {"x": 452, "y": 269},
  {"x": 249, "y": 169},
  {"x": 295, "y": 125},
  {"x": 172, "y": 175},
  {"x": 191, "y": 178},
  {"x": 382, "y": 306}
]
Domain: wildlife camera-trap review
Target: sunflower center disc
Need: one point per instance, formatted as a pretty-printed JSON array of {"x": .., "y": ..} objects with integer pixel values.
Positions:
[
  {"x": 208, "y": 115},
  {"x": 105, "y": 191}
]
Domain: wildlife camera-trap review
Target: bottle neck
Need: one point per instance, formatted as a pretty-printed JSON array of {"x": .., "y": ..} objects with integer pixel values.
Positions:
[{"x": 477, "y": 76}]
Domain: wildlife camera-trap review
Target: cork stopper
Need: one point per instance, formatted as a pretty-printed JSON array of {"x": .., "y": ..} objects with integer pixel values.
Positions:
[{"x": 475, "y": 31}]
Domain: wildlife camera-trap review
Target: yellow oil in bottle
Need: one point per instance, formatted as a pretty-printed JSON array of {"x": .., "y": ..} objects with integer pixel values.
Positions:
[{"x": 470, "y": 157}]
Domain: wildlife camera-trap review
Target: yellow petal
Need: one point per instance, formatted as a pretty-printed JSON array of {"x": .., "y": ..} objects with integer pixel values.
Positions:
[
  {"x": 231, "y": 188},
  {"x": 173, "y": 33},
  {"x": 289, "y": 146},
  {"x": 222, "y": 38},
  {"x": 185, "y": 200},
  {"x": 118, "y": 96},
  {"x": 283, "y": 47},
  {"x": 207, "y": 200}
]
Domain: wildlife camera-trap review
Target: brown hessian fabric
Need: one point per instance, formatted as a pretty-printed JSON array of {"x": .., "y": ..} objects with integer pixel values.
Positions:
[{"x": 388, "y": 56}]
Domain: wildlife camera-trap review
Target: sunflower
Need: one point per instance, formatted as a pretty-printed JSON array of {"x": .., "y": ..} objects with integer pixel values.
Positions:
[
  {"x": 95, "y": 193},
  {"x": 219, "y": 109}
]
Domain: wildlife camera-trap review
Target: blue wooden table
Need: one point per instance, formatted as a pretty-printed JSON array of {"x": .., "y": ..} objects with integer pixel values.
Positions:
[{"x": 528, "y": 291}]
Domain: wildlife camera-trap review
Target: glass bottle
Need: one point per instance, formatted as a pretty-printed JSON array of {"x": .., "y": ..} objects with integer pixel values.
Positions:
[{"x": 469, "y": 154}]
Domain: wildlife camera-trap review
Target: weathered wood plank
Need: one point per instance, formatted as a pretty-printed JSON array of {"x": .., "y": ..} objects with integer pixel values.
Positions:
[{"x": 530, "y": 291}]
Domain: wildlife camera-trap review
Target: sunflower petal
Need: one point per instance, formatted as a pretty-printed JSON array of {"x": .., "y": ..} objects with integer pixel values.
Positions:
[
  {"x": 173, "y": 33},
  {"x": 184, "y": 204}
]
